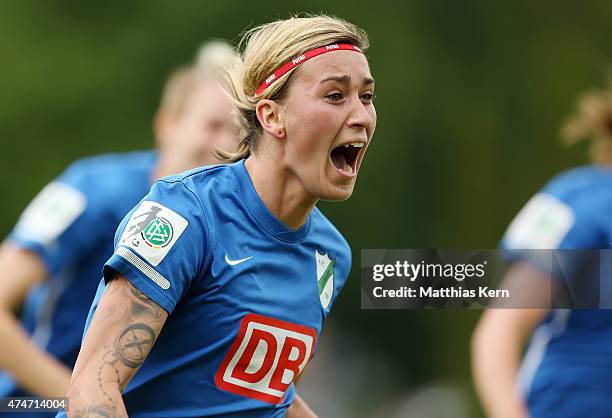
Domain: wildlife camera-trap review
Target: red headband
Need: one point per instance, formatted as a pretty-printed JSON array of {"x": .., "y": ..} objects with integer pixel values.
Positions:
[{"x": 302, "y": 58}]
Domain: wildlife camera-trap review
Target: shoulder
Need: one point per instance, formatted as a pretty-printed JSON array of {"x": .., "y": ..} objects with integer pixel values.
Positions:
[
  {"x": 328, "y": 235},
  {"x": 112, "y": 182},
  {"x": 324, "y": 226},
  {"x": 206, "y": 182},
  {"x": 181, "y": 205},
  {"x": 204, "y": 173},
  {"x": 590, "y": 182},
  {"x": 571, "y": 211},
  {"x": 119, "y": 175},
  {"x": 194, "y": 193},
  {"x": 113, "y": 163},
  {"x": 583, "y": 192}
]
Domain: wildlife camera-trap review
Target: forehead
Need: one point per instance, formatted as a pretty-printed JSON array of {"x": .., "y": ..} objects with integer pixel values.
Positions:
[{"x": 337, "y": 63}]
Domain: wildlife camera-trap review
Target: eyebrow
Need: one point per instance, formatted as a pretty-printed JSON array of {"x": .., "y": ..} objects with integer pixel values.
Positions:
[{"x": 346, "y": 79}]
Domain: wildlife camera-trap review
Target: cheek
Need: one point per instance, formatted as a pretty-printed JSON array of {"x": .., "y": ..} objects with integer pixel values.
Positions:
[
  {"x": 313, "y": 129},
  {"x": 179, "y": 141},
  {"x": 373, "y": 117},
  {"x": 185, "y": 130},
  {"x": 226, "y": 139}
]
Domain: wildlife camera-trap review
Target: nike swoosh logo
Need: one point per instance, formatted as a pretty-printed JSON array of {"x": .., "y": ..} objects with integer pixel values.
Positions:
[{"x": 236, "y": 262}]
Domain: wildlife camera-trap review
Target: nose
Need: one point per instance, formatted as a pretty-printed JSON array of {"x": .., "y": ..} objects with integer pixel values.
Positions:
[{"x": 359, "y": 116}]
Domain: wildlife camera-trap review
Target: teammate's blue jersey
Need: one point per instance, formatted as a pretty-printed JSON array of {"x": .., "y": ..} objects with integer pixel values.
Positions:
[
  {"x": 70, "y": 225},
  {"x": 247, "y": 296},
  {"x": 567, "y": 371}
]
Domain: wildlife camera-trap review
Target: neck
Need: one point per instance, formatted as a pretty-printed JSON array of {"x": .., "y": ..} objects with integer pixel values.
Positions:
[
  {"x": 281, "y": 192},
  {"x": 159, "y": 171},
  {"x": 167, "y": 166}
]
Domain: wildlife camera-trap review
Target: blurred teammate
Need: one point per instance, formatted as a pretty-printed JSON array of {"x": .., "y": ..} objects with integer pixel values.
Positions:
[
  {"x": 567, "y": 371},
  {"x": 239, "y": 267},
  {"x": 51, "y": 263}
]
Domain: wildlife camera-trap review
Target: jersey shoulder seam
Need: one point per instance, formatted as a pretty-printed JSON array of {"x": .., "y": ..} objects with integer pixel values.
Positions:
[{"x": 210, "y": 238}]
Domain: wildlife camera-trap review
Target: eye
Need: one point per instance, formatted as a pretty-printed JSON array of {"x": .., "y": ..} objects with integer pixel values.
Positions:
[
  {"x": 335, "y": 97},
  {"x": 367, "y": 97}
]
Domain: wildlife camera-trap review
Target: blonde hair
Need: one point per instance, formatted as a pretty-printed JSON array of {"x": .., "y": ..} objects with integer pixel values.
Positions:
[
  {"x": 593, "y": 120},
  {"x": 212, "y": 60},
  {"x": 265, "y": 49}
]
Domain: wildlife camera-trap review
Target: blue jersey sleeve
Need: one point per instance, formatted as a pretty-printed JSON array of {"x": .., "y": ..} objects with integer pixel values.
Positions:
[
  {"x": 59, "y": 223},
  {"x": 560, "y": 217},
  {"x": 162, "y": 245},
  {"x": 555, "y": 222}
]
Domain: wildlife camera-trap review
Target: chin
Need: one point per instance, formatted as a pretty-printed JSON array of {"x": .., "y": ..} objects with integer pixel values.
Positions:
[{"x": 337, "y": 193}]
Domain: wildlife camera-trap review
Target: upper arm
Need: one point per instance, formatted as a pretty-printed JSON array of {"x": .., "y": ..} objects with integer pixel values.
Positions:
[
  {"x": 556, "y": 232},
  {"x": 159, "y": 249},
  {"x": 161, "y": 246},
  {"x": 20, "y": 269},
  {"x": 549, "y": 222},
  {"x": 121, "y": 334},
  {"x": 48, "y": 235},
  {"x": 530, "y": 287},
  {"x": 58, "y": 223}
]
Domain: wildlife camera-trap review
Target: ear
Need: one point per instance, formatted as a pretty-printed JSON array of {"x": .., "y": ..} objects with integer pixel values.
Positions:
[{"x": 270, "y": 116}]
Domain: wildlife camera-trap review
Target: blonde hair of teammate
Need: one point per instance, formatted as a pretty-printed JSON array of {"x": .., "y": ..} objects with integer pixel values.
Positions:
[
  {"x": 212, "y": 59},
  {"x": 265, "y": 49},
  {"x": 593, "y": 120}
]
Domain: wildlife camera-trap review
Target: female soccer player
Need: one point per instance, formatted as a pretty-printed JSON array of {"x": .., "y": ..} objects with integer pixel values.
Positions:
[
  {"x": 50, "y": 265},
  {"x": 567, "y": 371},
  {"x": 235, "y": 262}
]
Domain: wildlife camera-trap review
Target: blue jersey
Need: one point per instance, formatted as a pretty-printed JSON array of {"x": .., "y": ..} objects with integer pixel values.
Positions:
[
  {"x": 246, "y": 296},
  {"x": 70, "y": 225},
  {"x": 567, "y": 371}
]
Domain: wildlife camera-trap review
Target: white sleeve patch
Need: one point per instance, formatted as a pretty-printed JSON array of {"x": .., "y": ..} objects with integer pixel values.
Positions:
[
  {"x": 542, "y": 224},
  {"x": 146, "y": 269},
  {"x": 51, "y": 212},
  {"x": 152, "y": 231}
]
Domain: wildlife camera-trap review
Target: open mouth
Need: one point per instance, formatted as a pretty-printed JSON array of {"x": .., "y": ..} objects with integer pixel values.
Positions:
[{"x": 344, "y": 158}]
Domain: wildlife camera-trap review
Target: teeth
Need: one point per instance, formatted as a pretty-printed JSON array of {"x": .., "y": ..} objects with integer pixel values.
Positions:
[{"x": 354, "y": 144}]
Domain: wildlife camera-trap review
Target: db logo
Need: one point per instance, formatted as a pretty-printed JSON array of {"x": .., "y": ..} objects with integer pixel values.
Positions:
[{"x": 267, "y": 355}]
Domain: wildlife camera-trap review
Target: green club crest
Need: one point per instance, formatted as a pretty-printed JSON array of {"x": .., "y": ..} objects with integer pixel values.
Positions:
[
  {"x": 325, "y": 277},
  {"x": 158, "y": 233}
]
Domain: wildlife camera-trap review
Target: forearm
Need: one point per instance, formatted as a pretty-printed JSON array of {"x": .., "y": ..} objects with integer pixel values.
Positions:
[
  {"x": 35, "y": 370},
  {"x": 97, "y": 397},
  {"x": 497, "y": 346},
  {"x": 121, "y": 334},
  {"x": 97, "y": 383},
  {"x": 497, "y": 342},
  {"x": 299, "y": 409},
  {"x": 496, "y": 356}
]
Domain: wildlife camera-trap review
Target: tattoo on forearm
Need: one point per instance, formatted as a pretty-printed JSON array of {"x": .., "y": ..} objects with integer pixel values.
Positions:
[
  {"x": 108, "y": 374},
  {"x": 97, "y": 411},
  {"x": 133, "y": 344}
]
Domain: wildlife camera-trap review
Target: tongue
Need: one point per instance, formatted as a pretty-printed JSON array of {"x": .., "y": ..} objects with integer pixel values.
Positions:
[{"x": 339, "y": 161}]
